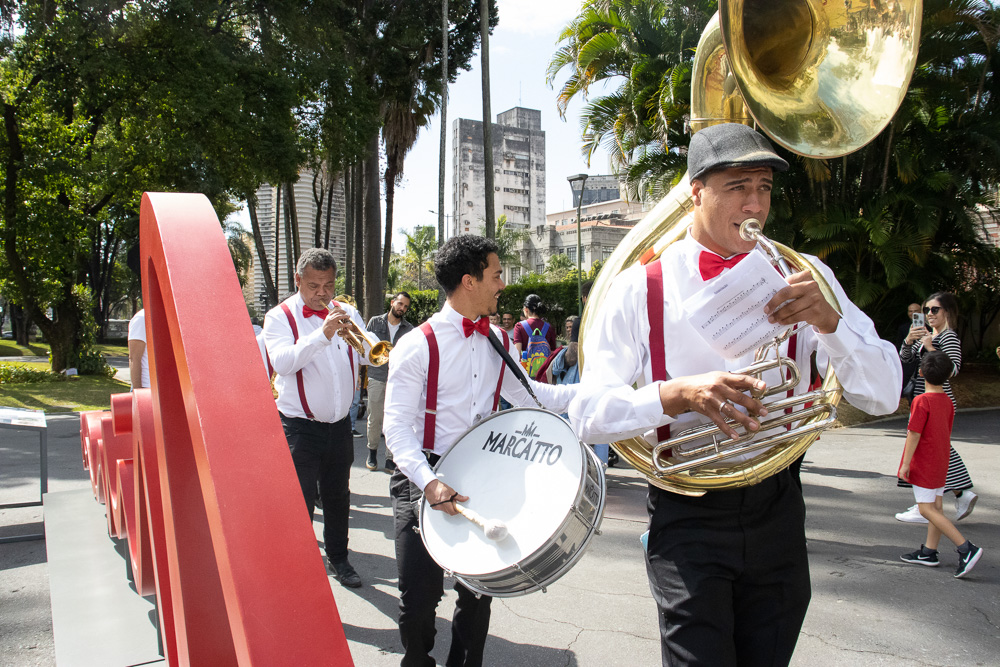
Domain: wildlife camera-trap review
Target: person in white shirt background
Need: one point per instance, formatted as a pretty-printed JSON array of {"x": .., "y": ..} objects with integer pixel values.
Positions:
[
  {"x": 728, "y": 570},
  {"x": 138, "y": 357},
  {"x": 468, "y": 269},
  {"x": 316, "y": 376}
]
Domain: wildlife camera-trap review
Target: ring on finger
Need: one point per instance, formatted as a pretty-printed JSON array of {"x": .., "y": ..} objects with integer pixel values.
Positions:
[{"x": 722, "y": 407}]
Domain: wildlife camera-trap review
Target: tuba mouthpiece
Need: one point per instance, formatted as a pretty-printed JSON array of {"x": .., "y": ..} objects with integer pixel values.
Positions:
[{"x": 750, "y": 229}]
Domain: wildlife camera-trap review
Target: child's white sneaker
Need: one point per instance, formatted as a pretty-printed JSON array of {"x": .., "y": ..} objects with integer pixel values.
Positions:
[
  {"x": 912, "y": 515},
  {"x": 964, "y": 504}
]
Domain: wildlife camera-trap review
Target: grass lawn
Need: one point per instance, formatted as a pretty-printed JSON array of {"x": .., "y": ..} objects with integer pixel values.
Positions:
[
  {"x": 72, "y": 395},
  {"x": 9, "y": 348}
]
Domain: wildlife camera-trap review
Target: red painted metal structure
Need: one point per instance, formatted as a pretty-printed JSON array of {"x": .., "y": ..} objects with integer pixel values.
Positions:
[{"x": 196, "y": 473}]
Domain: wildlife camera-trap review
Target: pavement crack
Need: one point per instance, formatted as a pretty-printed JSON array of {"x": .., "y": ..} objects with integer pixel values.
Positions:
[
  {"x": 569, "y": 648},
  {"x": 987, "y": 617},
  {"x": 862, "y": 651}
]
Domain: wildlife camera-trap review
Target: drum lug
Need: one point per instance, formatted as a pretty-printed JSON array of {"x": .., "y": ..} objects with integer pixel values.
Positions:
[
  {"x": 576, "y": 510},
  {"x": 517, "y": 567},
  {"x": 416, "y": 529}
]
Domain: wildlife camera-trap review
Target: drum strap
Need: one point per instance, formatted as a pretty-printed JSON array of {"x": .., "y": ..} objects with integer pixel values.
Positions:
[
  {"x": 496, "y": 396},
  {"x": 657, "y": 343},
  {"x": 430, "y": 410},
  {"x": 298, "y": 375}
]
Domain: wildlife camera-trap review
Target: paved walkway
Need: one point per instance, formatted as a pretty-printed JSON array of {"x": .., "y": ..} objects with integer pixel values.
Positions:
[{"x": 868, "y": 608}]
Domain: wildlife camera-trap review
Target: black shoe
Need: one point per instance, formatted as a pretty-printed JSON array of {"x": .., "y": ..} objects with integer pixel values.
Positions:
[
  {"x": 967, "y": 561},
  {"x": 390, "y": 465},
  {"x": 612, "y": 458},
  {"x": 920, "y": 557},
  {"x": 355, "y": 433},
  {"x": 372, "y": 462},
  {"x": 345, "y": 574}
]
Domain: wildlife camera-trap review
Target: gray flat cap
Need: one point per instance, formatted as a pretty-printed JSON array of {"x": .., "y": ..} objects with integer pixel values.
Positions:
[{"x": 730, "y": 145}]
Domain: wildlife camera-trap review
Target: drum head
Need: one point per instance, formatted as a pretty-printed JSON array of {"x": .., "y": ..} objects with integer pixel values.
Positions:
[{"x": 524, "y": 467}]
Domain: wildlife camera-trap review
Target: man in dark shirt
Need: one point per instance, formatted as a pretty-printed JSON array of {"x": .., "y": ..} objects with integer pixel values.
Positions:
[{"x": 388, "y": 327}]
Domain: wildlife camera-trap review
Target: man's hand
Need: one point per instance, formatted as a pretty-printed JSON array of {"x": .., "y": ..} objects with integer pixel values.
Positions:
[
  {"x": 442, "y": 497},
  {"x": 336, "y": 320},
  {"x": 712, "y": 395},
  {"x": 806, "y": 303}
]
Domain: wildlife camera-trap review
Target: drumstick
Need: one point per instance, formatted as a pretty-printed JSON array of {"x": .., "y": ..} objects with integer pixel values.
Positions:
[{"x": 495, "y": 529}]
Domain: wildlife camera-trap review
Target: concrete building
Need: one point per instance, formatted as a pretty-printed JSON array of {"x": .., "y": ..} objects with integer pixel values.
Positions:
[
  {"x": 597, "y": 190},
  {"x": 602, "y": 227},
  {"x": 310, "y": 186},
  {"x": 518, "y": 170}
]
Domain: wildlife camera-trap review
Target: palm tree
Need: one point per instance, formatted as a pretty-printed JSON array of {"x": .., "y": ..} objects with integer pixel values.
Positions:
[{"x": 419, "y": 247}]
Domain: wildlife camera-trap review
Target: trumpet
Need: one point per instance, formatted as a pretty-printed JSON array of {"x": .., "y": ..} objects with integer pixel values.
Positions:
[{"x": 378, "y": 350}]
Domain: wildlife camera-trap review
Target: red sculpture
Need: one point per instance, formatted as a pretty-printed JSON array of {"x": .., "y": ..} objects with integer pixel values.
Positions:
[{"x": 205, "y": 491}]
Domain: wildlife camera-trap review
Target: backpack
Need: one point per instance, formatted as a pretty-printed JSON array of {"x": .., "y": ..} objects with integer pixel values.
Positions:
[{"x": 537, "y": 349}]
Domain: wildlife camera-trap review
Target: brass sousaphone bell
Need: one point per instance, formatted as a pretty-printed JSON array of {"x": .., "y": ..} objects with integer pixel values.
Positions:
[{"x": 821, "y": 78}]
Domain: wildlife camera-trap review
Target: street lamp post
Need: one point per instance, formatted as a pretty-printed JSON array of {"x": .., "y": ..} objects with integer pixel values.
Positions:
[{"x": 582, "y": 178}]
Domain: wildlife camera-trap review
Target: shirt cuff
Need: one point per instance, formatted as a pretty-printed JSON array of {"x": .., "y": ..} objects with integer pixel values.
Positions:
[
  {"x": 842, "y": 342},
  {"x": 648, "y": 408},
  {"x": 424, "y": 476}
]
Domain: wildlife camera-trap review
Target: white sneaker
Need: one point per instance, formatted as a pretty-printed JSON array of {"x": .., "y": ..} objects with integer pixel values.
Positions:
[
  {"x": 912, "y": 515},
  {"x": 964, "y": 504}
]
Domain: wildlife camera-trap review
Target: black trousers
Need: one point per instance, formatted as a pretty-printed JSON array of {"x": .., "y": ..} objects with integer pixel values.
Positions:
[
  {"x": 324, "y": 452},
  {"x": 729, "y": 573},
  {"x": 421, "y": 585}
]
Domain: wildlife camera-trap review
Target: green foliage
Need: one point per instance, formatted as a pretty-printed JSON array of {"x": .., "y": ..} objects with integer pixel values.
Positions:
[
  {"x": 559, "y": 297},
  {"x": 85, "y": 357},
  {"x": 896, "y": 220},
  {"x": 423, "y": 304},
  {"x": 559, "y": 267},
  {"x": 14, "y": 373}
]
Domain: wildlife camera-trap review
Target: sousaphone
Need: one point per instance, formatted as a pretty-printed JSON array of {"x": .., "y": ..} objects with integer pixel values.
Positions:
[{"x": 821, "y": 78}]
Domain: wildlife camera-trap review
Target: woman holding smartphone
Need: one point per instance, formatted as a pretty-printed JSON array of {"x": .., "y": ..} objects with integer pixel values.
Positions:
[{"x": 939, "y": 311}]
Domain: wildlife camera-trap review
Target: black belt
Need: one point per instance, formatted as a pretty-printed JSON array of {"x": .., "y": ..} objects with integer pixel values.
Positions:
[{"x": 431, "y": 457}]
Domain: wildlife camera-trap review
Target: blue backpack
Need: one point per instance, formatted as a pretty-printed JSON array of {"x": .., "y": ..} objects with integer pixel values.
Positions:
[{"x": 537, "y": 349}]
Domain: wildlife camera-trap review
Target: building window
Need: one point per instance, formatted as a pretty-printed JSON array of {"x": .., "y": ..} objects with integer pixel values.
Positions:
[
  {"x": 607, "y": 252},
  {"x": 515, "y": 273},
  {"x": 539, "y": 268},
  {"x": 571, "y": 253}
]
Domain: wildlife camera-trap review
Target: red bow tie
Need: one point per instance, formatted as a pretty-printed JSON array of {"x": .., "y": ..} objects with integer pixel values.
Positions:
[
  {"x": 321, "y": 314},
  {"x": 482, "y": 325},
  {"x": 711, "y": 264}
]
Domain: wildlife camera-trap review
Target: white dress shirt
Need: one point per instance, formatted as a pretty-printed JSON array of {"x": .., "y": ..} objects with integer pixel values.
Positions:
[
  {"x": 616, "y": 354},
  {"x": 137, "y": 331},
  {"x": 325, "y": 363},
  {"x": 469, "y": 368}
]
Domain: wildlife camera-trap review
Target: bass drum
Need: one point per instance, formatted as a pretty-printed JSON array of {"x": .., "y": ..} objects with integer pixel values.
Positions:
[{"x": 526, "y": 468}]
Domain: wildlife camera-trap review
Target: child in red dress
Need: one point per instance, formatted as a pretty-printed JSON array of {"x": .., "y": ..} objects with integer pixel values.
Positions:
[{"x": 925, "y": 464}]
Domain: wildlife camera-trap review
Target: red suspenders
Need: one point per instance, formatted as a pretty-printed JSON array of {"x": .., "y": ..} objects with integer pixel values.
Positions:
[
  {"x": 657, "y": 343},
  {"x": 434, "y": 364},
  {"x": 298, "y": 375}
]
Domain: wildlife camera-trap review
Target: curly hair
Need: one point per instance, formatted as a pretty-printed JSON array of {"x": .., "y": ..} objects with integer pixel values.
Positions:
[{"x": 461, "y": 256}]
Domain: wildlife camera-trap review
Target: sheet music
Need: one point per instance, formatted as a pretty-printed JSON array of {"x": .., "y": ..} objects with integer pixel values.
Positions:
[{"x": 729, "y": 312}]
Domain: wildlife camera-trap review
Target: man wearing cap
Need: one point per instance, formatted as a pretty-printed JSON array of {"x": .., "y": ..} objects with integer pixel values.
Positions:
[{"x": 728, "y": 569}]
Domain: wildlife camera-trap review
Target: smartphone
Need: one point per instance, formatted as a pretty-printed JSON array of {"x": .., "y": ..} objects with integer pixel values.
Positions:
[{"x": 918, "y": 319}]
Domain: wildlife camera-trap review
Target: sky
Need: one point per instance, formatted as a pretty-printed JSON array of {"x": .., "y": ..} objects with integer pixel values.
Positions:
[{"x": 520, "y": 49}]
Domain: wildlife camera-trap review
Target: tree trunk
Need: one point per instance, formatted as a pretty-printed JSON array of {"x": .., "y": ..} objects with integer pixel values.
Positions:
[
  {"x": 484, "y": 27},
  {"x": 329, "y": 213},
  {"x": 293, "y": 220},
  {"x": 277, "y": 240},
  {"x": 360, "y": 190},
  {"x": 373, "y": 293},
  {"x": 290, "y": 259},
  {"x": 20, "y": 324},
  {"x": 350, "y": 176},
  {"x": 390, "y": 192},
  {"x": 319, "y": 199},
  {"x": 443, "y": 153},
  {"x": 271, "y": 291}
]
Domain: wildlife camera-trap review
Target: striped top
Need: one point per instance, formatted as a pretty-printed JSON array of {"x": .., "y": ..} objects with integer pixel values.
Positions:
[{"x": 947, "y": 342}]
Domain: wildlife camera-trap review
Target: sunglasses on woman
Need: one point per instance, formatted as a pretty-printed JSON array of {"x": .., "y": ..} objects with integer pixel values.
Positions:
[{"x": 931, "y": 310}]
